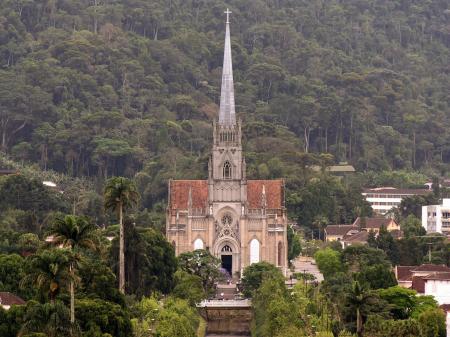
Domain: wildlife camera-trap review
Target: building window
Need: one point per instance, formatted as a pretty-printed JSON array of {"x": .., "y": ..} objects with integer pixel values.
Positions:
[
  {"x": 227, "y": 170},
  {"x": 254, "y": 251},
  {"x": 198, "y": 244},
  {"x": 280, "y": 254},
  {"x": 227, "y": 249}
]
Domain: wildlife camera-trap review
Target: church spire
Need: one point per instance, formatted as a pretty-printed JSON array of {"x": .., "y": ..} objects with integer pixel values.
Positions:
[{"x": 227, "y": 114}]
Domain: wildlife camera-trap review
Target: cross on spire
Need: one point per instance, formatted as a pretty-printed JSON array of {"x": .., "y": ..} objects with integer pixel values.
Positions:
[
  {"x": 228, "y": 12},
  {"x": 227, "y": 114}
]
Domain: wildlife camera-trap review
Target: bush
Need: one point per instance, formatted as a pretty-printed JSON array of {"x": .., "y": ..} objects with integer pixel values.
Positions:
[{"x": 255, "y": 273}]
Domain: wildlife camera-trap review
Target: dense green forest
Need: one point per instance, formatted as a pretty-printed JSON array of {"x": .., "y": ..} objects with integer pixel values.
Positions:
[
  {"x": 118, "y": 87},
  {"x": 102, "y": 88}
]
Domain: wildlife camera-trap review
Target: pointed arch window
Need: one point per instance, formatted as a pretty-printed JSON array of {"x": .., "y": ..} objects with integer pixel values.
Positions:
[
  {"x": 198, "y": 244},
  {"x": 254, "y": 251},
  {"x": 227, "y": 249},
  {"x": 227, "y": 170}
]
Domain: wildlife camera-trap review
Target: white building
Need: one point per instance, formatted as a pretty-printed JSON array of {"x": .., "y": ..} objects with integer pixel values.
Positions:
[
  {"x": 436, "y": 218},
  {"x": 438, "y": 285},
  {"x": 383, "y": 199}
]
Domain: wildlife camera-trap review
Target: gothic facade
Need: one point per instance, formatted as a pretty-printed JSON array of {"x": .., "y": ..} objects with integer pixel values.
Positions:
[{"x": 240, "y": 221}]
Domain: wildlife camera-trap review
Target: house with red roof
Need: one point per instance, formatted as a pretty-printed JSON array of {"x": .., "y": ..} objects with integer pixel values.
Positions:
[
  {"x": 338, "y": 232},
  {"x": 375, "y": 224},
  {"x": 7, "y": 300}
]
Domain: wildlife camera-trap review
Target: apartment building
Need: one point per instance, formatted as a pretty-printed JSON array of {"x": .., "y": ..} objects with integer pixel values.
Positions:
[
  {"x": 436, "y": 218},
  {"x": 383, "y": 199}
]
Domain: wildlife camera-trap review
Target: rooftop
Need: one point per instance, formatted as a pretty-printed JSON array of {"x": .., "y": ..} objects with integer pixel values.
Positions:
[
  {"x": 393, "y": 190},
  {"x": 339, "y": 229},
  {"x": 376, "y": 222},
  {"x": 360, "y": 237},
  {"x": 179, "y": 191},
  {"x": 438, "y": 276},
  {"x": 428, "y": 267},
  {"x": 404, "y": 273},
  {"x": 9, "y": 299}
]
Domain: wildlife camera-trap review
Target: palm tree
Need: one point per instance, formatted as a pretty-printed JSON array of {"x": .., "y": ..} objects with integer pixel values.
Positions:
[
  {"x": 359, "y": 299},
  {"x": 120, "y": 194},
  {"x": 50, "y": 319},
  {"x": 74, "y": 233},
  {"x": 49, "y": 272},
  {"x": 320, "y": 221}
]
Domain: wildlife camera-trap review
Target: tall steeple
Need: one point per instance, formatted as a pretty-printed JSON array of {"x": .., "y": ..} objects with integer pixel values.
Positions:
[{"x": 227, "y": 114}]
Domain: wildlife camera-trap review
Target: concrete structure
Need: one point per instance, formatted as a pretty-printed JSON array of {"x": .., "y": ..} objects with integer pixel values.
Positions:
[
  {"x": 227, "y": 318},
  {"x": 383, "y": 199},
  {"x": 7, "y": 300},
  {"x": 436, "y": 218},
  {"x": 239, "y": 221}
]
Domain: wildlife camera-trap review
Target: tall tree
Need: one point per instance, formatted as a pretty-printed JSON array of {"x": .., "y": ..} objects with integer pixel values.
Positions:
[
  {"x": 76, "y": 234},
  {"x": 120, "y": 194},
  {"x": 49, "y": 272}
]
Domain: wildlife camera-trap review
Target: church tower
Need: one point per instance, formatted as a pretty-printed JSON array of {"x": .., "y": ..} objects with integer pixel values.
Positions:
[
  {"x": 227, "y": 167},
  {"x": 237, "y": 220}
]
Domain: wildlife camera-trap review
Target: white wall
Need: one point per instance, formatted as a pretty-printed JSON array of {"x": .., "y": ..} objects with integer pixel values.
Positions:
[
  {"x": 448, "y": 324},
  {"x": 430, "y": 220},
  {"x": 439, "y": 289}
]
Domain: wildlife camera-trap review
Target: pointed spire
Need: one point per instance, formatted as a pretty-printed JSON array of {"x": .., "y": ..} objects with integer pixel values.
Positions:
[{"x": 227, "y": 114}]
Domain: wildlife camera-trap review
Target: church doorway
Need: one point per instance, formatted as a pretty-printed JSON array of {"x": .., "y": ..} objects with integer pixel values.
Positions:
[
  {"x": 227, "y": 259},
  {"x": 227, "y": 263}
]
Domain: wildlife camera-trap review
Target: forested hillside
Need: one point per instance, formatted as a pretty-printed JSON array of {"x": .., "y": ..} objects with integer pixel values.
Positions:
[{"x": 124, "y": 87}]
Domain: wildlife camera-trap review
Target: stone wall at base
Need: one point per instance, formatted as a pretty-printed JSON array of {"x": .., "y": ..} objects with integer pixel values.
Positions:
[{"x": 232, "y": 321}]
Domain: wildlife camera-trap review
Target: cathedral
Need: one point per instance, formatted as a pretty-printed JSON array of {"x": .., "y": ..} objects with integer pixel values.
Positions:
[{"x": 239, "y": 221}]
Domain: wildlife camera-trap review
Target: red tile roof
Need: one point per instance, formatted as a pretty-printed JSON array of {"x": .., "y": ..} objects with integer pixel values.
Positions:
[
  {"x": 428, "y": 267},
  {"x": 274, "y": 193},
  {"x": 438, "y": 276},
  {"x": 7, "y": 298},
  {"x": 339, "y": 229},
  {"x": 360, "y": 237},
  {"x": 377, "y": 222},
  {"x": 404, "y": 273},
  {"x": 179, "y": 193}
]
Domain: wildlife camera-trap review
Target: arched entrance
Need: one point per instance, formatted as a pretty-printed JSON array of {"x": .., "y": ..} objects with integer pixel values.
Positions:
[
  {"x": 227, "y": 250},
  {"x": 226, "y": 256}
]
